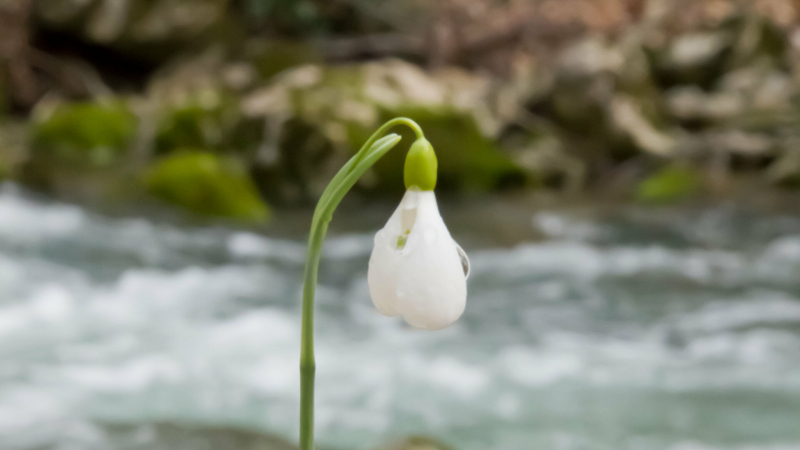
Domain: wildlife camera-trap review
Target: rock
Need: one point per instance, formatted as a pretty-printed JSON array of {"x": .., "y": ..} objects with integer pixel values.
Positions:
[
  {"x": 696, "y": 49},
  {"x": 213, "y": 69},
  {"x": 751, "y": 90},
  {"x": 208, "y": 119},
  {"x": 690, "y": 103},
  {"x": 323, "y": 18},
  {"x": 630, "y": 119},
  {"x": 771, "y": 88},
  {"x": 207, "y": 184},
  {"x": 591, "y": 56},
  {"x": 785, "y": 170},
  {"x": 182, "y": 77},
  {"x": 84, "y": 133},
  {"x": 769, "y": 92},
  {"x": 669, "y": 184},
  {"x": 702, "y": 57},
  {"x": 606, "y": 104},
  {"x": 540, "y": 150},
  {"x": 693, "y": 58},
  {"x": 757, "y": 38},
  {"x": 580, "y": 104},
  {"x": 741, "y": 143}
]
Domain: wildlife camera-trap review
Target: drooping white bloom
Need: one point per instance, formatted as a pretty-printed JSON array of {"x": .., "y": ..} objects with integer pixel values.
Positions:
[{"x": 416, "y": 269}]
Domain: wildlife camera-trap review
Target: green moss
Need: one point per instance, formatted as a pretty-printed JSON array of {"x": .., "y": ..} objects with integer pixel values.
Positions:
[
  {"x": 207, "y": 184},
  {"x": 86, "y": 133},
  {"x": 210, "y": 120},
  {"x": 669, "y": 184},
  {"x": 189, "y": 126}
]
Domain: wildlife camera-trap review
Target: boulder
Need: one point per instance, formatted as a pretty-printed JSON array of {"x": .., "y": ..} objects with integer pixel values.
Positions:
[
  {"x": 84, "y": 133},
  {"x": 84, "y": 151},
  {"x": 207, "y": 184},
  {"x": 696, "y": 58}
]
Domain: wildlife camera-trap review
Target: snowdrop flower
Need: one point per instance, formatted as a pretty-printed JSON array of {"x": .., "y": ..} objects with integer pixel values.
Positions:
[{"x": 416, "y": 269}]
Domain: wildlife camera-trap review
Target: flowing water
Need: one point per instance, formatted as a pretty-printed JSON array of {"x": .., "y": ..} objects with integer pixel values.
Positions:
[{"x": 624, "y": 329}]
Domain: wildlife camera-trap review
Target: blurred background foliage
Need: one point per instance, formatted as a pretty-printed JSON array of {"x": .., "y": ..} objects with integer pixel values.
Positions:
[{"x": 652, "y": 100}]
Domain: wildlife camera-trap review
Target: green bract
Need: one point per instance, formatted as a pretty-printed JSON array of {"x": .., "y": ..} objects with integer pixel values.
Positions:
[{"x": 421, "y": 165}]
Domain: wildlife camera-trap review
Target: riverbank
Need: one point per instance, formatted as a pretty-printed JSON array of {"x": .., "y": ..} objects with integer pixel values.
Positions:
[{"x": 652, "y": 105}]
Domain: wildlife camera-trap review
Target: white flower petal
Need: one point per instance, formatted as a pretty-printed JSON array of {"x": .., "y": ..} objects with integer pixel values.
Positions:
[
  {"x": 384, "y": 263},
  {"x": 415, "y": 269}
]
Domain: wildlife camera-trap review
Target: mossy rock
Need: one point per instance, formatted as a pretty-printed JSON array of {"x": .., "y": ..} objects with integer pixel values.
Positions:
[
  {"x": 85, "y": 133},
  {"x": 670, "y": 184},
  {"x": 206, "y": 184},
  {"x": 208, "y": 119}
]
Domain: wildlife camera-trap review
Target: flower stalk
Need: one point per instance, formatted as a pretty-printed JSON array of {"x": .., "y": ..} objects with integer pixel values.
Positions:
[{"x": 375, "y": 147}]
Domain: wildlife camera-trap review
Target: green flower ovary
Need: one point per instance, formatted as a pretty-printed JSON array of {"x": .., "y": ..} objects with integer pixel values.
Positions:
[{"x": 421, "y": 166}]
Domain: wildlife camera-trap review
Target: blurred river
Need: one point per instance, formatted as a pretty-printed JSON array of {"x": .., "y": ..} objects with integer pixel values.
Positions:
[{"x": 622, "y": 329}]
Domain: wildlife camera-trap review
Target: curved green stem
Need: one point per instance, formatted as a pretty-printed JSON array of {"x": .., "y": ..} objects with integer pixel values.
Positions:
[{"x": 345, "y": 179}]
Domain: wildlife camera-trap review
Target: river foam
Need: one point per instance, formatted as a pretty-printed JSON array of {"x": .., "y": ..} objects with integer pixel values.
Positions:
[{"x": 625, "y": 332}]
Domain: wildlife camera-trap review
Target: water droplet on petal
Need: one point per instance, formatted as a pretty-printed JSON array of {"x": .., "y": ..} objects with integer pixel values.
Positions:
[{"x": 464, "y": 260}]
